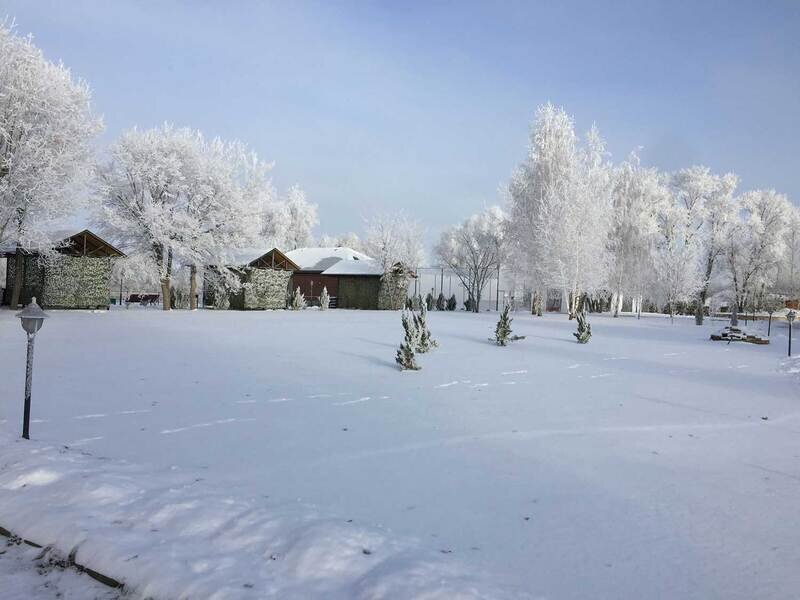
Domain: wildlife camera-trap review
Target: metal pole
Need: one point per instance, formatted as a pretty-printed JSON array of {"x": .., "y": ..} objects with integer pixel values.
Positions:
[
  {"x": 497, "y": 300},
  {"x": 26, "y": 418},
  {"x": 790, "y": 338}
]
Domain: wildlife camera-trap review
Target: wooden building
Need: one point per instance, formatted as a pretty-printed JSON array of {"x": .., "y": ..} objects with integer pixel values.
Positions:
[
  {"x": 76, "y": 275},
  {"x": 265, "y": 283},
  {"x": 353, "y": 279}
]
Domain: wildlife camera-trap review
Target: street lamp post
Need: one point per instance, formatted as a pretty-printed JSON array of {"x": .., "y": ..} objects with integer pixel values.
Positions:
[
  {"x": 31, "y": 317},
  {"x": 790, "y": 317}
]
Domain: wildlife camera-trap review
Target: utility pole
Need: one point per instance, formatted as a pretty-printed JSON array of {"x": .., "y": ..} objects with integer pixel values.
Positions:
[{"x": 497, "y": 290}]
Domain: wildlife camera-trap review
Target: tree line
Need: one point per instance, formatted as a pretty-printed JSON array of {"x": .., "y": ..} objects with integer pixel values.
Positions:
[{"x": 574, "y": 221}]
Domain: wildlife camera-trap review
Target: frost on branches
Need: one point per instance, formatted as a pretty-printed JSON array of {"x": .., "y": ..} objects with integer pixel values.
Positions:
[
  {"x": 584, "y": 329},
  {"x": 394, "y": 238},
  {"x": 324, "y": 299},
  {"x": 298, "y": 300},
  {"x": 46, "y": 129},
  {"x": 180, "y": 200},
  {"x": 425, "y": 341},
  {"x": 473, "y": 251},
  {"x": 405, "y": 356},
  {"x": 560, "y": 206}
]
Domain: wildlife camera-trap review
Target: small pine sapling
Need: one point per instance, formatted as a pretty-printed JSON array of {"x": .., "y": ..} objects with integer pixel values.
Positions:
[
  {"x": 441, "y": 302},
  {"x": 405, "y": 354},
  {"x": 584, "y": 329},
  {"x": 503, "y": 329},
  {"x": 502, "y": 333},
  {"x": 425, "y": 341},
  {"x": 452, "y": 303},
  {"x": 324, "y": 299},
  {"x": 298, "y": 300}
]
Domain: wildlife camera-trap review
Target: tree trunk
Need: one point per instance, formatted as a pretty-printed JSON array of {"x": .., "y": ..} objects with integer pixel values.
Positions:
[
  {"x": 166, "y": 284},
  {"x": 166, "y": 290},
  {"x": 698, "y": 311},
  {"x": 19, "y": 262},
  {"x": 193, "y": 287},
  {"x": 735, "y": 315}
]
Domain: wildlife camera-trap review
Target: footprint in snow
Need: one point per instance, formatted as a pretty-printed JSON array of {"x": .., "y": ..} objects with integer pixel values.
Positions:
[
  {"x": 601, "y": 375},
  {"x": 575, "y": 366},
  {"x": 444, "y": 385},
  {"x": 94, "y": 416},
  {"x": 357, "y": 401},
  {"x": 521, "y": 372},
  {"x": 479, "y": 385},
  {"x": 275, "y": 400}
]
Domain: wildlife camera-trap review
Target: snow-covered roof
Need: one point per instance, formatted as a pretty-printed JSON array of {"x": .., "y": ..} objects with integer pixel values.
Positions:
[
  {"x": 322, "y": 259},
  {"x": 355, "y": 267},
  {"x": 63, "y": 239}
]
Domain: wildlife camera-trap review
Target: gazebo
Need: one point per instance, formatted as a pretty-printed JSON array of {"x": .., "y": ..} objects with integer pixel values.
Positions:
[{"x": 76, "y": 275}]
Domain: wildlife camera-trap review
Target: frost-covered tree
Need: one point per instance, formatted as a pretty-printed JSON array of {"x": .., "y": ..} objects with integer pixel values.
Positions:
[
  {"x": 788, "y": 276},
  {"x": 144, "y": 186},
  {"x": 298, "y": 300},
  {"x": 346, "y": 240},
  {"x": 441, "y": 302},
  {"x": 425, "y": 341},
  {"x": 394, "y": 238},
  {"x": 757, "y": 244},
  {"x": 223, "y": 209},
  {"x": 324, "y": 299},
  {"x": 405, "y": 356},
  {"x": 297, "y": 218},
  {"x": 503, "y": 329},
  {"x": 46, "y": 128},
  {"x": 473, "y": 250},
  {"x": 632, "y": 232},
  {"x": 452, "y": 303},
  {"x": 180, "y": 199},
  {"x": 584, "y": 332},
  {"x": 560, "y": 208},
  {"x": 676, "y": 275},
  {"x": 708, "y": 201}
]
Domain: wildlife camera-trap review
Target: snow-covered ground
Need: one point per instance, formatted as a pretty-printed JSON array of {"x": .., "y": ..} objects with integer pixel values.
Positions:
[
  {"x": 29, "y": 573},
  {"x": 649, "y": 463}
]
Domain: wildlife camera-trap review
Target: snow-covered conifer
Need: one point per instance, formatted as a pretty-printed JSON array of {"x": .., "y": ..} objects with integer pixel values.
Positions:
[
  {"x": 503, "y": 329},
  {"x": 405, "y": 356},
  {"x": 298, "y": 300},
  {"x": 441, "y": 302},
  {"x": 425, "y": 341},
  {"x": 584, "y": 329},
  {"x": 452, "y": 303},
  {"x": 429, "y": 302},
  {"x": 324, "y": 299}
]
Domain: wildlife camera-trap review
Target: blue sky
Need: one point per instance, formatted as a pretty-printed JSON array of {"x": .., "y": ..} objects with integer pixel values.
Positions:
[{"x": 373, "y": 106}]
